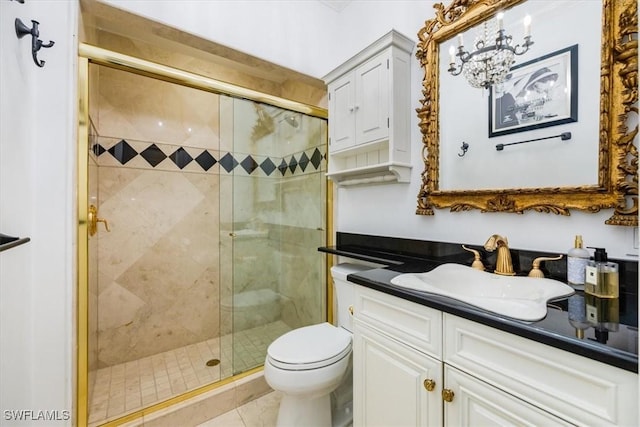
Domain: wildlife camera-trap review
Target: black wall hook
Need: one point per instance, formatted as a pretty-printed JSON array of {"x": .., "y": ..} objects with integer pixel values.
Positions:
[
  {"x": 464, "y": 147},
  {"x": 36, "y": 43}
]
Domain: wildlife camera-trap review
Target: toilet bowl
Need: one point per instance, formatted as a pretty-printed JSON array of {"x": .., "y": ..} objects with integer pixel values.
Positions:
[{"x": 307, "y": 364}]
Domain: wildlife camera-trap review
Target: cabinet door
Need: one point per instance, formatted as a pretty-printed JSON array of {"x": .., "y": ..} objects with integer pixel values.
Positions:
[
  {"x": 372, "y": 99},
  {"x": 389, "y": 382},
  {"x": 342, "y": 113},
  {"x": 476, "y": 403},
  {"x": 578, "y": 389}
]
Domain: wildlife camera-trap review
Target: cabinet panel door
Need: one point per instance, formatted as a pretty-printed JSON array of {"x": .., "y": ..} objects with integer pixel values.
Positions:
[
  {"x": 476, "y": 403},
  {"x": 388, "y": 383},
  {"x": 342, "y": 113},
  {"x": 372, "y": 99},
  {"x": 583, "y": 391}
]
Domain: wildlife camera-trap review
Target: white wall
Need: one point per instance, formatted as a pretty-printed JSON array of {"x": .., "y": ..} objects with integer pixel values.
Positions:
[
  {"x": 325, "y": 40},
  {"x": 37, "y": 194},
  {"x": 389, "y": 209}
]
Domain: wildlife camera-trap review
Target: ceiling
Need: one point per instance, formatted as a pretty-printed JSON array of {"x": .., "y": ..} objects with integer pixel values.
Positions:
[{"x": 337, "y": 5}]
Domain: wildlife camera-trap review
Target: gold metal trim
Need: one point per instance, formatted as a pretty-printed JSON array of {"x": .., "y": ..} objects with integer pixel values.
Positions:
[
  {"x": 185, "y": 78},
  {"x": 329, "y": 242},
  {"x": 618, "y": 157},
  {"x": 82, "y": 285}
]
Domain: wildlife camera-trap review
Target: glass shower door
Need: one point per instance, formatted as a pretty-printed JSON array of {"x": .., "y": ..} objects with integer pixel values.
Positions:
[{"x": 278, "y": 189}]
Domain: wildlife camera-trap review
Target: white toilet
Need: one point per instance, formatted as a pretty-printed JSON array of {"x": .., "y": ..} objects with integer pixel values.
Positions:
[{"x": 309, "y": 363}]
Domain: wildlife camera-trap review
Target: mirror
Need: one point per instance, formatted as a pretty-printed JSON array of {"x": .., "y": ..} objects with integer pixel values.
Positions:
[{"x": 595, "y": 168}]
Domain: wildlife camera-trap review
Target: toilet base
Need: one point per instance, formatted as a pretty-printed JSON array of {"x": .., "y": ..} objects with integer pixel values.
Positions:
[{"x": 295, "y": 412}]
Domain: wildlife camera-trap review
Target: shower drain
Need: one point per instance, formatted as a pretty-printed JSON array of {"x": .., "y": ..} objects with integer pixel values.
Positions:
[{"x": 213, "y": 362}]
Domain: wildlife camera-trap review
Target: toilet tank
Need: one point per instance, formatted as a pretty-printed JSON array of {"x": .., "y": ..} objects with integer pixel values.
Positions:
[{"x": 343, "y": 295}]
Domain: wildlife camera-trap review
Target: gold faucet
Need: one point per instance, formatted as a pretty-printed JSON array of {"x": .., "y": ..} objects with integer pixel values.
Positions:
[
  {"x": 477, "y": 260},
  {"x": 504, "y": 265},
  {"x": 535, "y": 267}
]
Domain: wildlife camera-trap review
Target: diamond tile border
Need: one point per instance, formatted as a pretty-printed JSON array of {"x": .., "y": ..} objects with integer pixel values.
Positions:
[{"x": 150, "y": 155}]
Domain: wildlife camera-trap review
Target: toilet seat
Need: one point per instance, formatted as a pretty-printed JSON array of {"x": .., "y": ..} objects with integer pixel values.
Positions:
[{"x": 310, "y": 347}]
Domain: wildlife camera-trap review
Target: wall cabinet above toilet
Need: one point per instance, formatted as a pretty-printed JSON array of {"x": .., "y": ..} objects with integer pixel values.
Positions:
[{"x": 369, "y": 114}]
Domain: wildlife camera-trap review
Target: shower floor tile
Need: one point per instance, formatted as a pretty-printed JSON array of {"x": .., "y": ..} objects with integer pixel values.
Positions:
[{"x": 130, "y": 386}]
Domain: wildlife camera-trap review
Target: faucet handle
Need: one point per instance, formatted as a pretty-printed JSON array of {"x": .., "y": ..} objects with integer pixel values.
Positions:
[
  {"x": 535, "y": 266},
  {"x": 477, "y": 262}
]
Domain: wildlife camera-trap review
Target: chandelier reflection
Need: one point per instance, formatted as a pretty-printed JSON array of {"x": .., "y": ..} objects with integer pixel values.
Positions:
[{"x": 493, "y": 56}]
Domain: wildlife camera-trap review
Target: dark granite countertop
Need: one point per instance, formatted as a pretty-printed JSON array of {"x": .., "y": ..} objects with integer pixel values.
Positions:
[{"x": 614, "y": 342}]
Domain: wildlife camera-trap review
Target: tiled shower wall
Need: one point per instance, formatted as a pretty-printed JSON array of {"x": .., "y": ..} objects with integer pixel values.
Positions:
[{"x": 159, "y": 266}]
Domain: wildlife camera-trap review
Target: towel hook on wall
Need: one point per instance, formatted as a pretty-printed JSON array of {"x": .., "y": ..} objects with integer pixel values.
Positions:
[
  {"x": 463, "y": 149},
  {"x": 36, "y": 43}
]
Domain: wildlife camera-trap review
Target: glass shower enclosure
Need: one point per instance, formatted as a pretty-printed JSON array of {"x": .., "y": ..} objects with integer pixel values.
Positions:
[
  {"x": 215, "y": 207},
  {"x": 277, "y": 222}
]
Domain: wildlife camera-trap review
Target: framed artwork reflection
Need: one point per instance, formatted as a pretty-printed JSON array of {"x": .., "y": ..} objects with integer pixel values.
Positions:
[{"x": 536, "y": 94}]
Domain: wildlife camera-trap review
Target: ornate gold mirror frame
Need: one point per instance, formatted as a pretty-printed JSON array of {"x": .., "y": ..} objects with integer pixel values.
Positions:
[{"x": 618, "y": 156}]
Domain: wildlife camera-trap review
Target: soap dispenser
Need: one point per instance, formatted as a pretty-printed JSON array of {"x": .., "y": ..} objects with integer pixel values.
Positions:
[
  {"x": 577, "y": 259},
  {"x": 601, "y": 276}
]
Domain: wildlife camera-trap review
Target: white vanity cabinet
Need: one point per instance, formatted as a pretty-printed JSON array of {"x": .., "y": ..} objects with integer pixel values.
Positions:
[
  {"x": 397, "y": 372},
  {"x": 416, "y": 366},
  {"x": 369, "y": 114}
]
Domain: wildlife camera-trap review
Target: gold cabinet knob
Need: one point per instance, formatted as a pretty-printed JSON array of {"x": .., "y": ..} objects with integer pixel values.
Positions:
[
  {"x": 93, "y": 221},
  {"x": 429, "y": 384},
  {"x": 447, "y": 395},
  {"x": 351, "y": 310}
]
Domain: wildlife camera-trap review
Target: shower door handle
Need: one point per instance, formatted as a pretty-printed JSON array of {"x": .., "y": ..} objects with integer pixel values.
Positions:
[{"x": 93, "y": 221}]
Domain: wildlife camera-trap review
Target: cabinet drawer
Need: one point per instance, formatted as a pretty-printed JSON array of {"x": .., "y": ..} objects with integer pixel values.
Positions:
[
  {"x": 577, "y": 389},
  {"x": 413, "y": 324}
]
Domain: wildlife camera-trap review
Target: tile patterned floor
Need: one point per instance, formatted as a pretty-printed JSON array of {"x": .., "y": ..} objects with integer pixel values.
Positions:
[
  {"x": 127, "y": 387},
  {"x": 262, "y": 412}
]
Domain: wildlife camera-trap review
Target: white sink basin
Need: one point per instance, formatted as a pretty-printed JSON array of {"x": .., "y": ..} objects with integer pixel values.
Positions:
[{"x": 523, "y": 298}]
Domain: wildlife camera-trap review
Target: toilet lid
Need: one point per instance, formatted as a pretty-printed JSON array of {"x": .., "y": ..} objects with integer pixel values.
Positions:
[{"x": 310, "y": 347}]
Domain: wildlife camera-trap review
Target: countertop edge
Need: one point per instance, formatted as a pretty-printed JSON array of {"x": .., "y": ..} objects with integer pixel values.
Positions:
[{"x": 611, "y": 356}]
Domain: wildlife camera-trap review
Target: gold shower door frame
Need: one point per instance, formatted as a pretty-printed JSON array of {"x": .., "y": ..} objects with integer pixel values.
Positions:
[{"x": 92, "y": 54}]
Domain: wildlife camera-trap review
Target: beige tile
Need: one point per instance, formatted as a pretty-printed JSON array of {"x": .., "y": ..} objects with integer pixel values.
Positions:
[
  {"x": 262, "y": 412},
  {"x": 229, "y": 419},
  {"x": 251, "y": 388},
  {"x": 127, "y": 304},
  {"x": 136, "y": 107},
  {"x": 194, "y": 411},
  {"x": 138, "y": 422},
  {"x": 226, "y": 123}
]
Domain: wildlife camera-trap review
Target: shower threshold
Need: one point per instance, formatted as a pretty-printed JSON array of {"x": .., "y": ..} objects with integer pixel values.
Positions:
[{"x": 128, "y": 387}]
